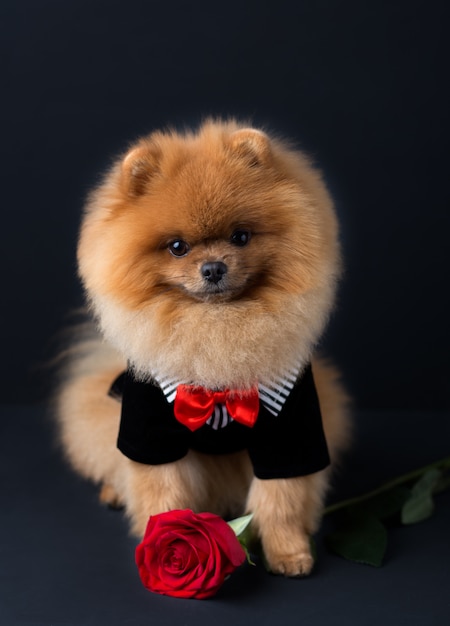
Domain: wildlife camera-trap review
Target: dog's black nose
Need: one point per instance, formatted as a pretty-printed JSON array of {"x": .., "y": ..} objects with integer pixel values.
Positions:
[{"x": 214, "y": 271}]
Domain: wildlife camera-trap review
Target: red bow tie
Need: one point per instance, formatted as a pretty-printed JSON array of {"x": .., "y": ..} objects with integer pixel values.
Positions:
[{"x": 194, "y": 405}]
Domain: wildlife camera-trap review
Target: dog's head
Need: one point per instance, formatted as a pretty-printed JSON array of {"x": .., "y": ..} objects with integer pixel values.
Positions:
[{"x": 216, "y": 228}]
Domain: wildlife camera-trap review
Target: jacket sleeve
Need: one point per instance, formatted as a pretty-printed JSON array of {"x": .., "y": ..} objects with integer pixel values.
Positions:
[
  {"x": 148, "y": 433},
  {"x": 293, "y": 442}
]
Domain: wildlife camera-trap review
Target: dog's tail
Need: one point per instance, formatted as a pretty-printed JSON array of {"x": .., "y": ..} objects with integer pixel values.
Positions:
[{"x": 87, "y": 418}]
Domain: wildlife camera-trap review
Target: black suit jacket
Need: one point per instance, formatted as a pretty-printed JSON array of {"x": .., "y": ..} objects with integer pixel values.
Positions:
[{"x": 289, "y": 444}]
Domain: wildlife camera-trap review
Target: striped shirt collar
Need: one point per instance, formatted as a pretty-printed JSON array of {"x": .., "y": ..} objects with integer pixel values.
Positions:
[{"x": 272, "y": 394}]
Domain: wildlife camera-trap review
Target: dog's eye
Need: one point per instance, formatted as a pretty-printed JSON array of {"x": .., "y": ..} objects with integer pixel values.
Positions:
[
  {"x": 240, "y": 237},
  {"x": 178, "y": 247}
]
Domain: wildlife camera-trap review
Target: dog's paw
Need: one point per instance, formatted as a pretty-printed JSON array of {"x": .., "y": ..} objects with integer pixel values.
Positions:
[
  {"x": 292, "y": 565},
  {"x": 287, "y": 551}
]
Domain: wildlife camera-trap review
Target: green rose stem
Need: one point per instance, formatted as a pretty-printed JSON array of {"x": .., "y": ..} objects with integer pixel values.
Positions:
[
  {"x": 443, "y": 464},
  {"x": 363, "y": 536}
]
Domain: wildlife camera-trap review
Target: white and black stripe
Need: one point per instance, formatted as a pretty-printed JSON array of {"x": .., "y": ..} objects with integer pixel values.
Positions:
[
  {"x": 220, "y": 418},
  {"x": 169, "y": 388},
  {"x": 275, "y": 393}
]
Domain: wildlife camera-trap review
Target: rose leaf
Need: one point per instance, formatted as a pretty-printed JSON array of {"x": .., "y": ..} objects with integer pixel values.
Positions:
[
  {"x": 363, "y": 539},
  {"x": 420, "y": 504},
  {"x": 240, "y": 524}
]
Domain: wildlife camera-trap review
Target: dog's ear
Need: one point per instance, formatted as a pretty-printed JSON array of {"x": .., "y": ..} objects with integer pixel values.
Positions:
[
  {"x": 139, "y": 165},
  {"x": 252, "y": 145}
]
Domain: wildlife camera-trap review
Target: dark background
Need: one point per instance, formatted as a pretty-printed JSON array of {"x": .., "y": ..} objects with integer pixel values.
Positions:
[{"x": 361, "y": 86}]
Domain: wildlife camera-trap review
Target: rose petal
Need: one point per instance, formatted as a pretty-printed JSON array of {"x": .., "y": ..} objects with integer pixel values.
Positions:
[
  {"x": 181, "y": 567},
  {"x": 225, "y": 538}
]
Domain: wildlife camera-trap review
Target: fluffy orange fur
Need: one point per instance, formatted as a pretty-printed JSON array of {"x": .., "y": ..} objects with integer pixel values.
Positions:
[{"x": 156, "y": 311}]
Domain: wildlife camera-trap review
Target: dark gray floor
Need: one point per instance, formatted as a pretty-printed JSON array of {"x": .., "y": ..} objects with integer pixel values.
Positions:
[{"x": 64, "y": 559}]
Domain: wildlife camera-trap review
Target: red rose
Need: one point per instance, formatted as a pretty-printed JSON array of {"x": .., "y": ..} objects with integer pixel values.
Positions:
[{"x": 187, "y": 555}]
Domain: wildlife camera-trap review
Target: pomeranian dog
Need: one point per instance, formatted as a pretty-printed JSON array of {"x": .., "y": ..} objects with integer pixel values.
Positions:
[{"x": 210, "y": 261}]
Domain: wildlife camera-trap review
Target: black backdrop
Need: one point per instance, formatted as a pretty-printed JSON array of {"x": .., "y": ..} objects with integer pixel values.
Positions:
[{"x": 362, "y": 86}]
